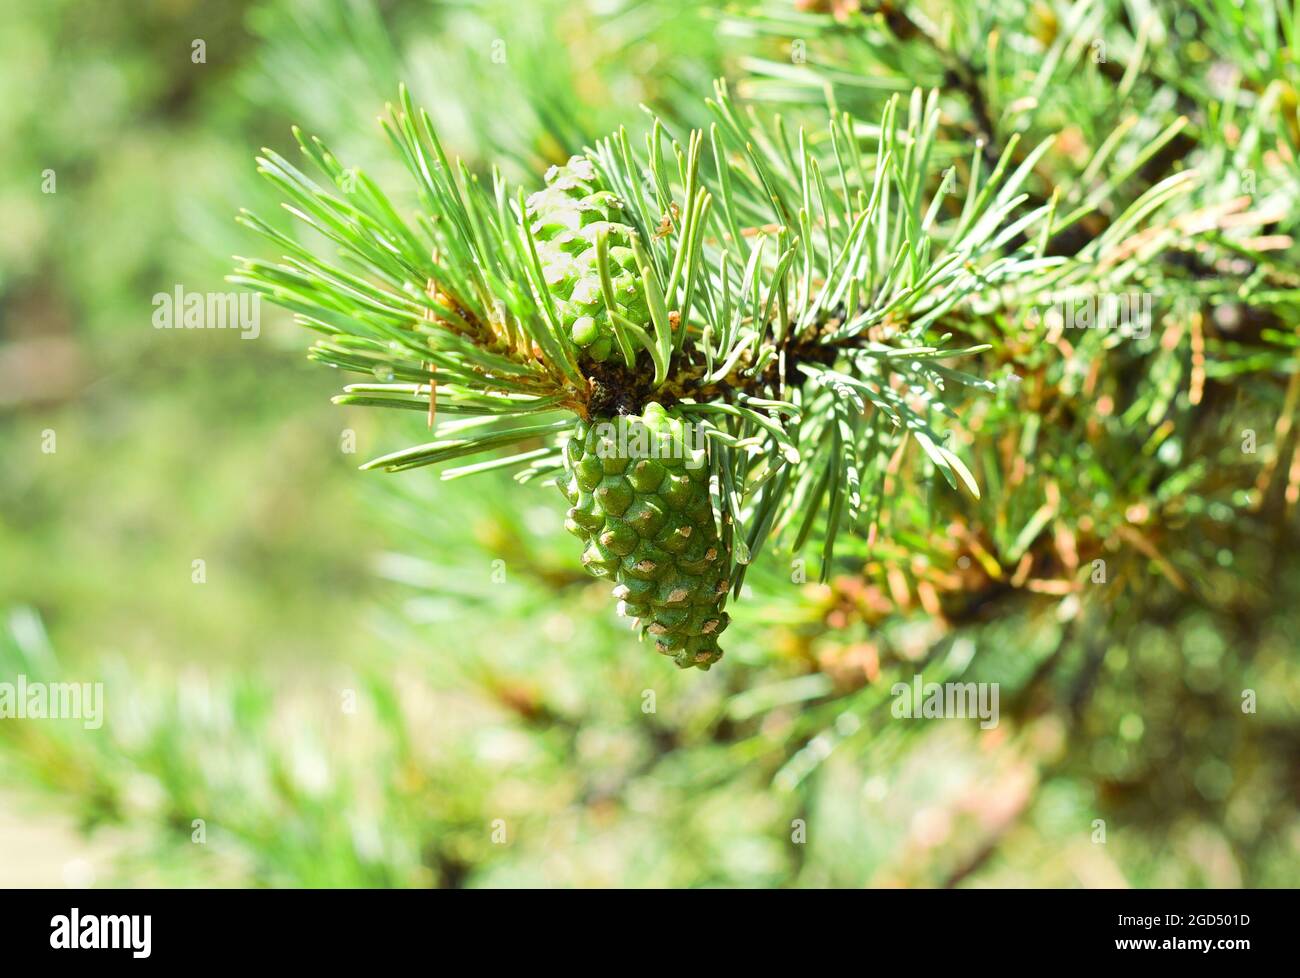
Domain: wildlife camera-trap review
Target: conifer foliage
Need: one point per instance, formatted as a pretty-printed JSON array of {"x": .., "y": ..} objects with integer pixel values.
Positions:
[
  {"x": 783, "y": 294},
  {"x": 818, "y": 300}
]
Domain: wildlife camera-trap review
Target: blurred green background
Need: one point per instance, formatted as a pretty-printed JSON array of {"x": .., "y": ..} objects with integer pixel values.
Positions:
[{"x": 391, "y": 681}]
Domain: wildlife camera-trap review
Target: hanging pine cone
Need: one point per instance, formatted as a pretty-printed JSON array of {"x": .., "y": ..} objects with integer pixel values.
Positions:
[
  {"x": 566, "y": 218},
  {"x": 639, "y": 496}
]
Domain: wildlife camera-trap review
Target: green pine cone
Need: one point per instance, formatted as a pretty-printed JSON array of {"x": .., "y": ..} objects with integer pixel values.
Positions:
[
  {"x": 566, "y": 218},
  {"x": 638, "y": 489}
]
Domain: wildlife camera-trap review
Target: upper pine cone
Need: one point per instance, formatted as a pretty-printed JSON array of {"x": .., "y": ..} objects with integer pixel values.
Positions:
[{"x": 566, "y": 218}]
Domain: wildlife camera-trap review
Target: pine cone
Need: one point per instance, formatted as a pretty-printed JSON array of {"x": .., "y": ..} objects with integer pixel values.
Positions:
[
  {"x": 566, "y": 218},
  {"x": 639, "y": 496}
]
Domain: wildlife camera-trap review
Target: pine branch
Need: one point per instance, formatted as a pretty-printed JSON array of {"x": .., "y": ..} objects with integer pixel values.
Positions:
[{"x": 803, "y": 297}]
